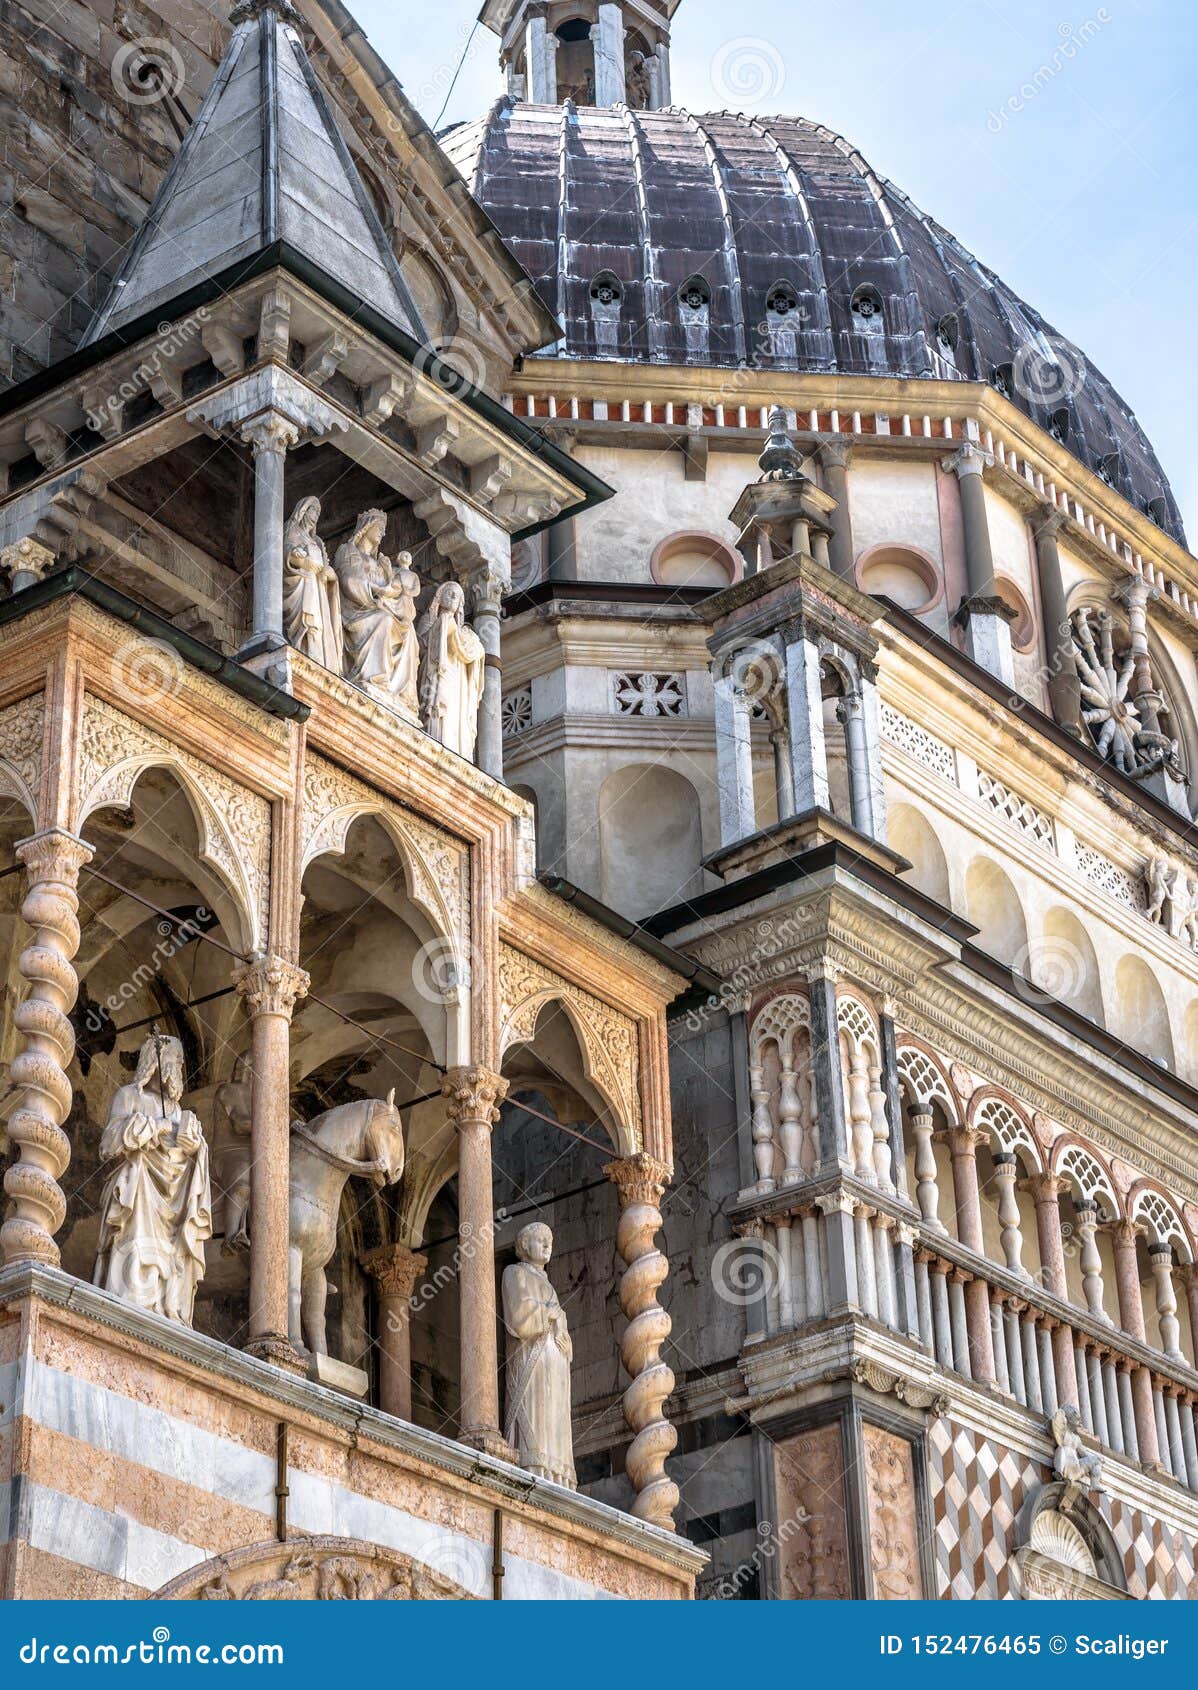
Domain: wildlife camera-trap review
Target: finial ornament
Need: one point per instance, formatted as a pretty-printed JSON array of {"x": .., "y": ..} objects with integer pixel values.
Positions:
[
  {"x": 245, "y": 11},
  {"x": 781, "y": 460}
]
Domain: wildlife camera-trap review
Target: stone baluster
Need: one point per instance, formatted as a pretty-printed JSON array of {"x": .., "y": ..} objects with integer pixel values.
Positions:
[
  {"x": 790, "y": 1128},
  {"x": 927, "y": 1191},
  {"x": 1127, "y": 1407},
  {"x": 1161, "y": 1258},
  {"x": 861, "y": 1129},
  {"x": 270, "y": 988},
  {"x": 487, "y": 587},
  {"x": 473, "y": 1096},
  {"x": 38, "y": 1075},
  {"x": 1114, "y": 1408},
  {"x": 998, "y": 1335},
  {"x": 271, "y": 436},
  {"x": 1131, "y": 1316},
  {"x": 1046, "y": 1190},
  {"x": 880, "y": 1127},
  {"x": 963, "y": 1143},
  {"x": 641, "y": 1182},
  {"x": 1091, "y": 1261},
  {"x": 1006, "y": 1170},
  {"x": 763, "y": 1132},
  {"x": 1013, "y": 1312},
  {"x": 958, "y": 1284},
  {"x": 395, "y": 1270}
]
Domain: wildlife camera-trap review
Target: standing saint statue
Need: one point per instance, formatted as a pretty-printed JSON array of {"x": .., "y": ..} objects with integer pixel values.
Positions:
[
  {"x": 539, "y": 1357},
  {"x": 156, "y": 1209},
  {"x": 378, "y": 612},
  {"x": 454, "y": 671},
  {"x": 311, "y": 600}
]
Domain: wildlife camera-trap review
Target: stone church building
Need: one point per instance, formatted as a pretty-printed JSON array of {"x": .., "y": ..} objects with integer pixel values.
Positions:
[{"x": 598, "y": 911}]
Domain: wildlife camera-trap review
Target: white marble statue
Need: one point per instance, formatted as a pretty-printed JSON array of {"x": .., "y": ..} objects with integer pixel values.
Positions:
[
  {"x": 156, "y": 1209},
  {"x": 363, "y": 1138},
  {"x": 454, "y": 669},
  {"x": 378, "y": 614},
  {"x": 539, "y": 1357},
  {"x": 1080, "y": 1468},
  {"x": 311, "y": 595}
]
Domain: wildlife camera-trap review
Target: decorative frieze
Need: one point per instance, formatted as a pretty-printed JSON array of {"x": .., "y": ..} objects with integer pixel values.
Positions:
[
  {"x": 517, "y": 711},
  {"x": 642, "y": 694},
  {"x": 1020, "y": 812},
  {"x": 22, "y": 726},
  {"x": 918, "y": 743},
  {"x": 1116, "y": 882}
]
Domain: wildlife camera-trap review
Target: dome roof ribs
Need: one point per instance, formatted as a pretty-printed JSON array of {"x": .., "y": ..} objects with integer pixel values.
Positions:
[
  {"x": 650, "y": 280},
  {"x": 563, "y": 219},
  {"x": 730, "y": 254},
  {"x": 794, "y": 180}
]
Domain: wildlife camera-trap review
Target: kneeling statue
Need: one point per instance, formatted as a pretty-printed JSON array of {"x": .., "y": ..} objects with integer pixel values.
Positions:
[{"x": 156, "y": 1209}]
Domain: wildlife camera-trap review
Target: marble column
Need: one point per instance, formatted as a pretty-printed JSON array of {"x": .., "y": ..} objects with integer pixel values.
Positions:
[
  {"x": 963, "y": 1143},
  {"x": 986, "y": 619},
  {"x": 610, "y": 73},
  {"x": 1131, "y": 1317},
  {"x": 734, "y": 761},
  {"x": 641, "y": 1182},
  {"x": 827, "y": 1069},
  {"x": 540, "y": 66},
  {"x": 850, "y": 715},
  {"x": 1189, "y": 1279},
  {"x": 1006, "y": 1171},
  {"x": 395, "y": 1270},
  {"x": 487, "y": 590},
  {"x": 1064, "y": 687},
  {"x": 26, "y": 561},
  {"x": 1161, "y": 1258},
  {"x": 473, "y": 1096},
  {"x": 805, "y": 707},
  {"x": 270, "y": 987},
  {"x": 833, "y": 459},
  {"x": 1046, "y": 1192},
  {"x": 892, "y": 1086},
  {"x": 783, "y": 776},
  {"x": 38, "y": 1075},
  {"x": 271, "y": 436}
]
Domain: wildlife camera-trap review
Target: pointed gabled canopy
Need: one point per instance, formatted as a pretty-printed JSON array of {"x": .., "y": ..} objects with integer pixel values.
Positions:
[{"x": 263, "y": 165}]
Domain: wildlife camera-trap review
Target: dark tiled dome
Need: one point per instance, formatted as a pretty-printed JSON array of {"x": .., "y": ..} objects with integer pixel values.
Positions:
[{"x": 798, "y": 257}]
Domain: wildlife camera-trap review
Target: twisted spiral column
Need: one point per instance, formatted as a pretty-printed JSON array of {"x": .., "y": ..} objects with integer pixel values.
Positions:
[
  {"x": 641, "y": 1181},
  {"x": 39, "y": 1073}
]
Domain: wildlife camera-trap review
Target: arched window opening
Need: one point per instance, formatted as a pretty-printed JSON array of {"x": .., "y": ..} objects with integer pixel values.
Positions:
[
  {"x": 867, "y": 308},
  {"x": 606, "y": 299},
  {"x": 782, "y": 317},
  {"x": 694, "y": 308},
  {"x": 575, "y": 62}
]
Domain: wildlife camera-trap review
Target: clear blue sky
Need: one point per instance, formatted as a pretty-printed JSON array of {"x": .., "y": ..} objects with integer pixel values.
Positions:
[{"x": 1082, "y": 196}]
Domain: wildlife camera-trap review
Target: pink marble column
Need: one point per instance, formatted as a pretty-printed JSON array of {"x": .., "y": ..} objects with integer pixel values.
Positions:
[
  {"x": 395, "y": 1270},
  {"x": 1131, "y": 1318},
  {"x": 473, "y": 1096},
  {"x": 271, "y": 988},
  {"x": 1046, "y": 1191},
  {"x": 963, "y": 1143},
  {"x": 1189, "y": 1278}
]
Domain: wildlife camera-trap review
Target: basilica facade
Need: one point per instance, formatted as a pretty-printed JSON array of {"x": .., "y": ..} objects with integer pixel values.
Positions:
[{"x": 599, "y": 916}]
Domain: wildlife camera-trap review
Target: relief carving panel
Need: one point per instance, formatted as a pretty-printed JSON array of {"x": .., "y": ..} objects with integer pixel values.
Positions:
[{"x": 812, "y": 1528}]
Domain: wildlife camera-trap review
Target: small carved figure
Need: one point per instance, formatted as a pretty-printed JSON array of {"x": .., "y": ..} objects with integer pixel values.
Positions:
[
  {"x": 1080, "y": 1468},
  {"x": 235, "y": 1100},
  {"x": 639, "y": 88},
  {"x": 1157, "y": 875},
  {"x": 378, "y": 613},
  {"x": 364, "y": 1138},
  {"x": 311, "y": 596},
  {"x": 156, "y": 1208},
  {"x": 454, "y": 669},
  {"x": 539, "y": 1357}
]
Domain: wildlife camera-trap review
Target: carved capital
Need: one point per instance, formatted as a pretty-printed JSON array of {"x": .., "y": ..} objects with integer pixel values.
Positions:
[
  {"x": 270, "y": 433},
  {"x": 272, "y": 986},
  {"x": 54, "y": 856},
  {"x": 247, "y": 10},
  {"x": 1044, "y": 1188},
  {"x": 27, "y": 557},
  {"x": 473, "y": 1095},
  {"x": 639, "y": 1179},
  {"x": 969, "y": 459},
  {"x": 394, "y": 1269}
]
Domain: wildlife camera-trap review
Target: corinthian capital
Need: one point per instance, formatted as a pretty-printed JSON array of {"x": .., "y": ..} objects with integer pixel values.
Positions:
[
  {"x": 639, "y": 1179},
  {"x": 270, "y": 432},
  {"x": 394, "y": 1269},
  {"x": 272, "y": 986},
  {"x": 28, "y": 558},
  {"x": 969, "y": 459},
  {"x": 473, "y": 1095},
  {"x": 55, "y": 856}
]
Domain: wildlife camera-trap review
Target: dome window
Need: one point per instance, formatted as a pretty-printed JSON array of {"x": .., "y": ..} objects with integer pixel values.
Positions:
[
  {"x": 606, "y": 298},
  {"x": 1002, "y": 380},
  {"x": 948, "y": 332},
  {"x": 783, "y": 301},
  {"x": 694, "y": 307},
  {"x": 1110, "y": 468},
  {"x": 1058, "y": 425},
  {"x": 1157, "y": 510},
  {"x": 866, "y": 306},
  {"x": 782, "y": 318}
]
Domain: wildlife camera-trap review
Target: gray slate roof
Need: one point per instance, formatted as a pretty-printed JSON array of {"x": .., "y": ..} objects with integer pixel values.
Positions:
[
  {"x": 262, "y": 163},
  {"x": 746, "y": 203}
]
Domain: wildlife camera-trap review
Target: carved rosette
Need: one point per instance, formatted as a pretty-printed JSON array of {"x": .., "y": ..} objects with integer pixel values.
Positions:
[
  {"x": 473, "y": 1096},
  {"x": 641, "y": 1181},
  {"x": 394, "y": 1269},
  {"x": 272, "y": 986},
  {"x": 39, "y": 1072}
]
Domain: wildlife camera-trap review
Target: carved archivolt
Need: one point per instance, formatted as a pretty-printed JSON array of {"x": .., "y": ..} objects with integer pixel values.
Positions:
[
  {"x": 313, "y": 1569},
  {"x": 436, "y": 865},
  {"x": 115, "y": 751},
  {"x": 610, "y": 1046},
  {"x": 22, "y": 727}
]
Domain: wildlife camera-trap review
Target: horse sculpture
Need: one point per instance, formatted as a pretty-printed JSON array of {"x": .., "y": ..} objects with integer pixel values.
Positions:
[{"x": 364, "y": 1138}]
